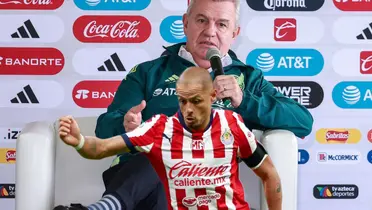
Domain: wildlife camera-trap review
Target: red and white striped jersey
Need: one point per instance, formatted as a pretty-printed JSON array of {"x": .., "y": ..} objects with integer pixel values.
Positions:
[{"x": 199, "y": 170}]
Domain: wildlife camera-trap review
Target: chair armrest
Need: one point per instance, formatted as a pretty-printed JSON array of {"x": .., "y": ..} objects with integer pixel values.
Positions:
[
  {"x": 282, "y": 147},
  {"x": 35, "y": 166}
]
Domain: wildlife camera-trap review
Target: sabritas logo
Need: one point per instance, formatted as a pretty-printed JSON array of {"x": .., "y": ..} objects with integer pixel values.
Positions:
[
  {"x": 7, "y": 155},
  {"x": 94, "y": 94},
  {"x": 31, "y": 4},
  {"x": 30, "y": 61},
  {"x": 112, "y": 29},
  {"x": 338, "y": 136},
  {"x": 353, "y": 5}
]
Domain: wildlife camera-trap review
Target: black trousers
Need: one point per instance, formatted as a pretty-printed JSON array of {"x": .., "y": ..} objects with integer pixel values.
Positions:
[{"x": 137, "y": 184}]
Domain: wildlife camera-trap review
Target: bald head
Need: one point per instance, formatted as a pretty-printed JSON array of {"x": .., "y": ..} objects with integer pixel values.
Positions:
[{"x": 196, "y": 76}]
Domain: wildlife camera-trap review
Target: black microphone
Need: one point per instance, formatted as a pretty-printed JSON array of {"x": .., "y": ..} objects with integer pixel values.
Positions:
[{"x": 214, "y": 57}]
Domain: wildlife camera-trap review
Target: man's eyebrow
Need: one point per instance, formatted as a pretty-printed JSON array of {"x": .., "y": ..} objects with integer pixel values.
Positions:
[{"x": 221, "y": 19}]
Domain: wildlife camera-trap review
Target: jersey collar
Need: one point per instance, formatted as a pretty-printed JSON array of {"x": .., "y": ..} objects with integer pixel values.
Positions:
[{"x": 182, "y": 121}]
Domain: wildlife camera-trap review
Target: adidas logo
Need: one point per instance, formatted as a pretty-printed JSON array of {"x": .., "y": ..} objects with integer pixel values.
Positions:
[
  {"x": 172, "y": 79},
  {"x": 366, "y": 33},
  {"x": 26, "y": 31},
  {"x": 109, "y": 65},
  {"x": 26, "y": 96}
]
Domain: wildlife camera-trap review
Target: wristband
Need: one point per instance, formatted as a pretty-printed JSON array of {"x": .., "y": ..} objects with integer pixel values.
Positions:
[{"x": 81, "y": 143}]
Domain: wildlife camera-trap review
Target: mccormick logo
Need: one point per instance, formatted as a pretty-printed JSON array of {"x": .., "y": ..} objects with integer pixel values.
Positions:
[
  {"x": 366, "y": 62},
  {"x": 353, "y": 95},
  {"x": 353, "y": 5},
  {"x": 112, "y": 4},
  {"x": 308, "y": 94},
  {"x": 112, "y": 29},
  {"x": 338, "y": 157},
  {"x": 286, "y": 62},
  {"x": 30, "y": 4},
  {"x": 30, "y": 61},
  {"x": 171, "y": 29},
  {"x": 338, "y": 136},
  {"x": 7, "y": 190},
  {"x": 94, "y": 94},
  {"x": 337, "y": 191},
  {"x": 285, "y": 5},
  {"x": 285, "y": 29},
  {"x": 185, "y": 174},
  {"x": 7, "y": 155}
]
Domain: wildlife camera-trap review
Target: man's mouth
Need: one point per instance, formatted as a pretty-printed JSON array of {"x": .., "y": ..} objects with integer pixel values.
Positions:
[{"x": 208, "y": 43}]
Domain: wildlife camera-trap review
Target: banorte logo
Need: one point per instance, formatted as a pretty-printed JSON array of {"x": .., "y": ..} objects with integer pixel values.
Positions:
[
  {"x": 94, "y": 94},
  {"x": 112, "y": 29},
  {"x": 7, "y": 155},
  {"x": 30, "y": 61},
  {"x": 30, "y": 4},
  {"x": 185, "y": 174},
  {"x": 338, "y": 136}
]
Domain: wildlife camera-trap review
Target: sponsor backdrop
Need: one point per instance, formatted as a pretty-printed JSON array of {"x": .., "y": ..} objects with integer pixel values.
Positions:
[{"x": 62, "y": 57}]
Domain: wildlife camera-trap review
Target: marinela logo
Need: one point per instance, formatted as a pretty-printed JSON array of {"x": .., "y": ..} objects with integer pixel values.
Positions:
[
  {"x": 112, "y": 29},
  {"x": 337, "y": 191}
]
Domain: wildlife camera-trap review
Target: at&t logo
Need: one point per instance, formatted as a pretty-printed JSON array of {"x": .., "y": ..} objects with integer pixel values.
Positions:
[
  {"x": 287, "y": 62},
  {"x": 112, "y": 4},
  {"x": 353, "y": 95},
  {"x": 171, "y": 29}
]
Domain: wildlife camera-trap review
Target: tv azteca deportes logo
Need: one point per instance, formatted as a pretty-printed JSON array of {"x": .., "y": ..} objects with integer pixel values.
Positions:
[{"x": 335, "y": 191}]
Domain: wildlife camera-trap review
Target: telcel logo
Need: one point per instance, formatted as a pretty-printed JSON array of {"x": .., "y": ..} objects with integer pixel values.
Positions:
[
  {"x": 287, "y": 62},
  {"x": 338, "y": 136},
  {"x": 303, "y": 156},
  {"x": 171, "y": 29},
  {"x": 112, "y": 4},
  {"x": 353, "y": 95}
]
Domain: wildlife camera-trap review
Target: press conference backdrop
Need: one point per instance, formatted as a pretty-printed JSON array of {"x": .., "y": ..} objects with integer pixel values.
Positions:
[{"x": 62, "y": 57}]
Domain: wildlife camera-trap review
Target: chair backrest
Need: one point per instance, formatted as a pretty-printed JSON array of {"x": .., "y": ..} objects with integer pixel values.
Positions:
[{"x": 78, "y": 179}]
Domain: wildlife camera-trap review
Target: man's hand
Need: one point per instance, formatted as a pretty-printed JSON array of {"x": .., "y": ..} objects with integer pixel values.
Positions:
[
  {"x": 69, "y": 131},
  {"x": 133, "y": 117},
  {"x": 228, "y": 87}
]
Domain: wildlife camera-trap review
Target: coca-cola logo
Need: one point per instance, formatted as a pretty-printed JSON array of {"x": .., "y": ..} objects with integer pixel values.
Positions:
[
  {"x": 341, "y": 136},
  {"x": 112, "y": 29},
  {"x": 10, "y": 155},
  {"x": 31, "y": 4},
  {"x": 186, "y": 169}
]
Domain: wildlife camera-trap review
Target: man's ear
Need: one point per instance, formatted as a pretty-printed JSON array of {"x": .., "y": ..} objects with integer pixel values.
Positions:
[
  {"x": 213, "y": 95},
  {"x": 236, "y": 32},
  {"x": 184, "y": 21}
]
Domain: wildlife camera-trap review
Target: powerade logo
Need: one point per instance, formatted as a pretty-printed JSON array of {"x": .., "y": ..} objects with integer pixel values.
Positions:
[
  {"x": 285, "y": 5},
  {"x": 307, "y": 93},
  {"x": 336, "y": 191},
  {"x": 353, "y": 95},
  {"x": 112, "y": 4},
  {"x": 303, "y": 156},
  {"x": 171, "y": 29},
  {"x": 287, "y": 62}
]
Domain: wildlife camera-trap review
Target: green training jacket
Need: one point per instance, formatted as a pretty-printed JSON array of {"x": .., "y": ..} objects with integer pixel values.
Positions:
[{"x": 262, "y": 107}]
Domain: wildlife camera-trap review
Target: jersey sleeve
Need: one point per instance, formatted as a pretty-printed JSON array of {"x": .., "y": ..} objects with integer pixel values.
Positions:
[
  {"x": 142, "y": 138},
  {"x": 250, "y": 150}
]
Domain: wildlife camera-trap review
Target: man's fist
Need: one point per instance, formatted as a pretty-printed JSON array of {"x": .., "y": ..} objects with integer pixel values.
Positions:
[
  {"x": 133, "y": 117},
  {"x": 69, "y": 131}
]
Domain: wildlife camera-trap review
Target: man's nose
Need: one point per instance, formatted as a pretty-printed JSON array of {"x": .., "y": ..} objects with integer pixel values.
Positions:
[{"x": 210, "y": 29}]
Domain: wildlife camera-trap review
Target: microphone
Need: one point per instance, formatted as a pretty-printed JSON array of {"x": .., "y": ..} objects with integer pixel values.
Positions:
[{"x": 214, "y": 57}]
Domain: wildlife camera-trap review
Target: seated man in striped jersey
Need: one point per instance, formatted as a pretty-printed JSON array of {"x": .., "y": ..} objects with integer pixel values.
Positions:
[{"x": 194, "y": 152}]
